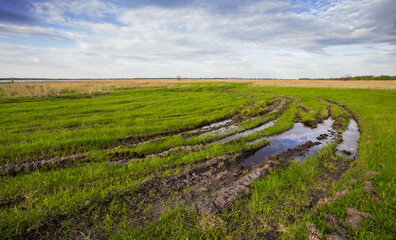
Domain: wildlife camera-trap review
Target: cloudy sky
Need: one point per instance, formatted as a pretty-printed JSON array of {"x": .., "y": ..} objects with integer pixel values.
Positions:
[{"x": 197, "y": 38}]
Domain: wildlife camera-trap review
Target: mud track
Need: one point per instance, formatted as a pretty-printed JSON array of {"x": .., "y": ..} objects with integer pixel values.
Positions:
[
  {"x": 211, "y": 186},
  {"x": 54, "y": 163},
  {"x": 272, "y": 109},
  {"x": 350, "y": 111},
  {"x": 143, "y": 138},
  {"x": 125, "y": 156}
]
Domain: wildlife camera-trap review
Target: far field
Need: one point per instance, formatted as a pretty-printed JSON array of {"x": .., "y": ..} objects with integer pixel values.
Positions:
[{"x": 173, "y": 159}]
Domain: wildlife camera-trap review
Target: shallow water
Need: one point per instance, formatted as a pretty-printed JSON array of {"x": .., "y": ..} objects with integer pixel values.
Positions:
[
  {"x": 218, "y": 124},
  {"x": 222, "y": 130},
  {"x": 298, "y": 135},
  {"x": 350, "y": 139},
  {"x": 213, "y": 125},
  {"x": 245, "y": 133}
]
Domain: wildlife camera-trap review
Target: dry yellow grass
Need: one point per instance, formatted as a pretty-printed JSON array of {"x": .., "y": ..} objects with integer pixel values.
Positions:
[
  {"x": 325, "y": 83},
  {"x": 48, "y": 88}
]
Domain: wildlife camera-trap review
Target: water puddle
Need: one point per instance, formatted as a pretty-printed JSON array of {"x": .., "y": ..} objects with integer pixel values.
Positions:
[
  {"x": 213, "y": 125},
  {"x": 245, "y": 133},
  {"x": 222, "y": 130},
  {"x": 218, "y": 124},
  {"x": 298, "y": 135},
  {"x": 350, "y": 142}
]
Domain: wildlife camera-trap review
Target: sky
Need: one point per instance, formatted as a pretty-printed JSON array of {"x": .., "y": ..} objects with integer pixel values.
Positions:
[{"x": 197, "y": 38}]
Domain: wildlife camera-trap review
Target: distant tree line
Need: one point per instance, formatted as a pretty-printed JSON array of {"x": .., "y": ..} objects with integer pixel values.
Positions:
[{"x": 368, "y": 77}]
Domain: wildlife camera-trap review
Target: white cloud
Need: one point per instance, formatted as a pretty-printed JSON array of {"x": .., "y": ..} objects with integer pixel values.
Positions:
[{"x": 262, "y": 39}]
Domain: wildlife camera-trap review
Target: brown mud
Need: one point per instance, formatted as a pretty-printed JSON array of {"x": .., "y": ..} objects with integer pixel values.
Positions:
[
  {"x": 223, "y": 198},
  {"x": 54, "y": 163},
  {"x": 123, "y": 157},
  {"x": 213, "y": 186},
  {"x": 275, "y": 108},
  {"x": 127, "y": 156},
  {"x": 354, "y": 115},
  {"x": 143, "y": 138}
]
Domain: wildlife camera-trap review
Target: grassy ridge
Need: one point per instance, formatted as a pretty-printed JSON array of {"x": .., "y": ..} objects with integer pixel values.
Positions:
[{"x": 61, "y": 127}]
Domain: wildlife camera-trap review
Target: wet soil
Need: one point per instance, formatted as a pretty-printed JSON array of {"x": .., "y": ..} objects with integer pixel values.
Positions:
[
  {"x": 231, "y": 124},
  {"x": 247, "y": 132},
  {"x": 310, "y": 123},
  {"x": 290, "y": 139},
  {"x": 124, "y": 157},
  {"x": 209, "y": 187},
  {"x": 54, "y": 163},
  {"x": 212, "y": 185},
  {"x": 142, "y": 138},
  {"x": 350, "y": 140}
]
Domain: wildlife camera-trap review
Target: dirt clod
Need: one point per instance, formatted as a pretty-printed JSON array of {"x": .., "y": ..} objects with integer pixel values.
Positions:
[
  {"x": 322, "y": 136},
  {"x": 334, "y": 236},
  {"x": 354, "y": 217},
  {"x": 336, "y": 196},
  {"x": 310, "y": 123},
  {"x": 312, "y": 232},
  {"x": 210, "y": 222},
  {"x": 368, "y": 188},
  {"x": 18, "y": 168},
  {"x": 338, "y": 124},
  {"x": 336, "y": 224},
  {"x": 348, "y": 153},
  {"x": 331, "y": 219},
  {"x": 370, "y": 174}
]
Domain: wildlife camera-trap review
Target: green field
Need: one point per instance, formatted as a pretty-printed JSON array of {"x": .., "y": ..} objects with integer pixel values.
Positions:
[{"x": 142, "y": 163}]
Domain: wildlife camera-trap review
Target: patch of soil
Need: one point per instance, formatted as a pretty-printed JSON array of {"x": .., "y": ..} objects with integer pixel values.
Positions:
[
  {"x": 7, "y": 202},
  {"x": 310, "y": 123},
  {"x": 209, "y": 187},
  {"x": 142, "y": 138},
  {"x": 322, "y": 136},
  {"x": 318, "y": 195},
  {"x": 348, "y": 153},
  {"x": 127, "y": 156},
  {"x": 336, "y": 224},
  {"x": 172, "y": 116},
  {"x": 275, "y": 108},
  {"x": 369, "y": 189},
  {"x": 54, "y": 163},
  {"x": 354, "y": 217},
  {"x": 338, "y": 123},
  {"x": 334, "y": 236},
  {"x": 312, "y": 232},
  {"x": 350, "y": 111},
  {"x": 229, "y": 193},
  {"x": 336, "y": 196},
  {"x": 203, "y": 130}
]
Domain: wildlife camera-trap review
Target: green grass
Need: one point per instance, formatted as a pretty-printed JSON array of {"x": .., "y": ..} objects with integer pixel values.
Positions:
[
  {"x": 42, "y": 128},
  {"x": 60, "y": 127}
]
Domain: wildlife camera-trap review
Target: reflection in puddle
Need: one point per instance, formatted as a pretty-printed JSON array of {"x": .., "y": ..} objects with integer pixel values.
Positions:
[
  {"x": 245, "y": 133},
  {"x": 213, "y": 125},
  {"x": 350, "y": 138},
  {"x": 298, "y": 135},
  {"x": 218, "y": 124},
  {"x": 222, "y": 130}
]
